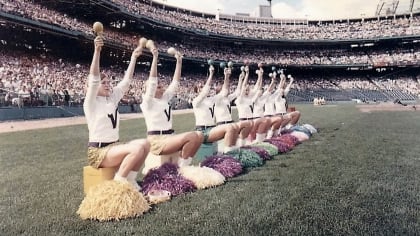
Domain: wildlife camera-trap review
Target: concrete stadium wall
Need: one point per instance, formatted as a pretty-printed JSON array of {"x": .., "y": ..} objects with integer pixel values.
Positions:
[{"x": 30, "y": 113}]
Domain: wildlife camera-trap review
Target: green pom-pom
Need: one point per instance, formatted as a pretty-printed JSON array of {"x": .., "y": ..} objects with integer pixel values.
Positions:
[
  {"x": 270, "y": 148},
  {"x": 247, "y": 158}
]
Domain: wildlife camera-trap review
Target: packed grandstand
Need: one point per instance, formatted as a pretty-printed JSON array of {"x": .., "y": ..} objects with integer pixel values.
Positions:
[{"x": 46, "y": 47}]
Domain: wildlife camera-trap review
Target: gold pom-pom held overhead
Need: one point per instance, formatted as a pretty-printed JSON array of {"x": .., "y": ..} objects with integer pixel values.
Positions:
[
  {"x": 150, "y": 45},
  {"x": 171, "y": 51},
  {"x": 142, "y": 42},
  {"x": 98, "y": 28}
]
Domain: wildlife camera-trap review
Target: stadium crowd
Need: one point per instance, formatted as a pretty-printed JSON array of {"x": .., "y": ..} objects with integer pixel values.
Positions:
[
  {"x": 35, "y": 81},
  {"x": 193, "y": 50},
  {"x": 30, "y": 80},
  {"x": 362, "y": 29}
]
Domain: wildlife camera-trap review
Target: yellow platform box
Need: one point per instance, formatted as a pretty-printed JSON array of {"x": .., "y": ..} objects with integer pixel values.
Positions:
[{"x": 93, "y": 176}]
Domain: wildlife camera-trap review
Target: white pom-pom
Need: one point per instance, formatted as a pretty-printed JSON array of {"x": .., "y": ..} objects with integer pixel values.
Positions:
[
  {"x": 150, "y": 44},
  {"x": 171, "y": 51},
  {"x": 142, "y": 42},
  {"x": 311, "y": 128},
  {"x": 301, "y": 136},
  {"x": 202, "y": 177}
]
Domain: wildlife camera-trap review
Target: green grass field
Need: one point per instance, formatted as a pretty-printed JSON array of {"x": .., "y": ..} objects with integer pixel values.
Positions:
[{"x": 358, "y": 176}]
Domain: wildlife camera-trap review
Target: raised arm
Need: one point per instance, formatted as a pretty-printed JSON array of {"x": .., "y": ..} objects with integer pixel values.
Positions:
[
  {"x": 206, "y": 89},
  {"x": 258, "y": 84},
  {"x": 256, "y": 91},
  {"x": 286, "y": 91},
  {"x": 239, "y": 87},
  {"x": 210, "y": 78},
  {"x": 273, "y": 82},
  {"x": 151, "y": 83},
  {"x": 282, "y": 82},
  {"x": 171, "y": 90},
  {"x": 178, "y": 67},
  {"x": 128, "y": 76},
  {"x": 94, "y": 66},
  {"x": 94, "y": 78},
  {"x": 225, "y": 87},
  {"x": 245, "y": 80}
]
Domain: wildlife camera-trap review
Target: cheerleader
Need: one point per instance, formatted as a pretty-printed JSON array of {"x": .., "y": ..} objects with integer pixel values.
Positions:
[
  {"x": 101, "y": 111},
  {"x": 204, "y": 112},
  {"x": 158, "y": 116}
]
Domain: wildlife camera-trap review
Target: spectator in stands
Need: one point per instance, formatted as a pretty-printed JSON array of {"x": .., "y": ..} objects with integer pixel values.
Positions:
[
  {"x": 101, "y": 111},
  {"x": 158, "y": 116},
  {"x": 24, "y": 96},
  {"x": 203, "y": 107}
]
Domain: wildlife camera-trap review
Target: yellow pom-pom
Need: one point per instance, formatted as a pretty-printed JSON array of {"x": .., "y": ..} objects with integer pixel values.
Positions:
[
  {"x": 112, "y": 200},
  {"x": 98, "y": 28},
  {"x": 142, "y": 42},
  {"x": 150, "y": 44}
]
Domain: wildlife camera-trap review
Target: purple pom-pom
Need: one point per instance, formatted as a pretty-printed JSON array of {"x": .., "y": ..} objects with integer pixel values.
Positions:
[
  {"x": 282, "y": 147},
  {"x": 293, "y": 139},
  {"x": 226, "y": 165},
  {"x": 166, "y": 177},
  {"x": 289, "y": 139}
]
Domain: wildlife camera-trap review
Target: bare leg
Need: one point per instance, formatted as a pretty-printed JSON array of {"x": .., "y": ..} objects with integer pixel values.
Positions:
[
  {"x": 260, "y": 126},
  {"x": 188, "y": 143},
  {"x": 128, "y": 157},
  {"x": 295, "y": 117},
  {"x": 276, "y": 122},
  {"x": 244, "y": 128},
  {"x": 226, "y": 132}
]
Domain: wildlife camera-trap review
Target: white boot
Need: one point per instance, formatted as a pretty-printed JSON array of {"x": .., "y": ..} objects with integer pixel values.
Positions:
[
  {"x": 260, "y": 137},
  {"x": 184, "y": 162},
  {"x": 119, "y": 178},
  {"x": 240, "y": 142},
  {"x": 270, "y": 134},
  {"x": 248, "y": 141},
  {"x": 131, "y": 177},
  {"x": 228, "y": 149}
]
